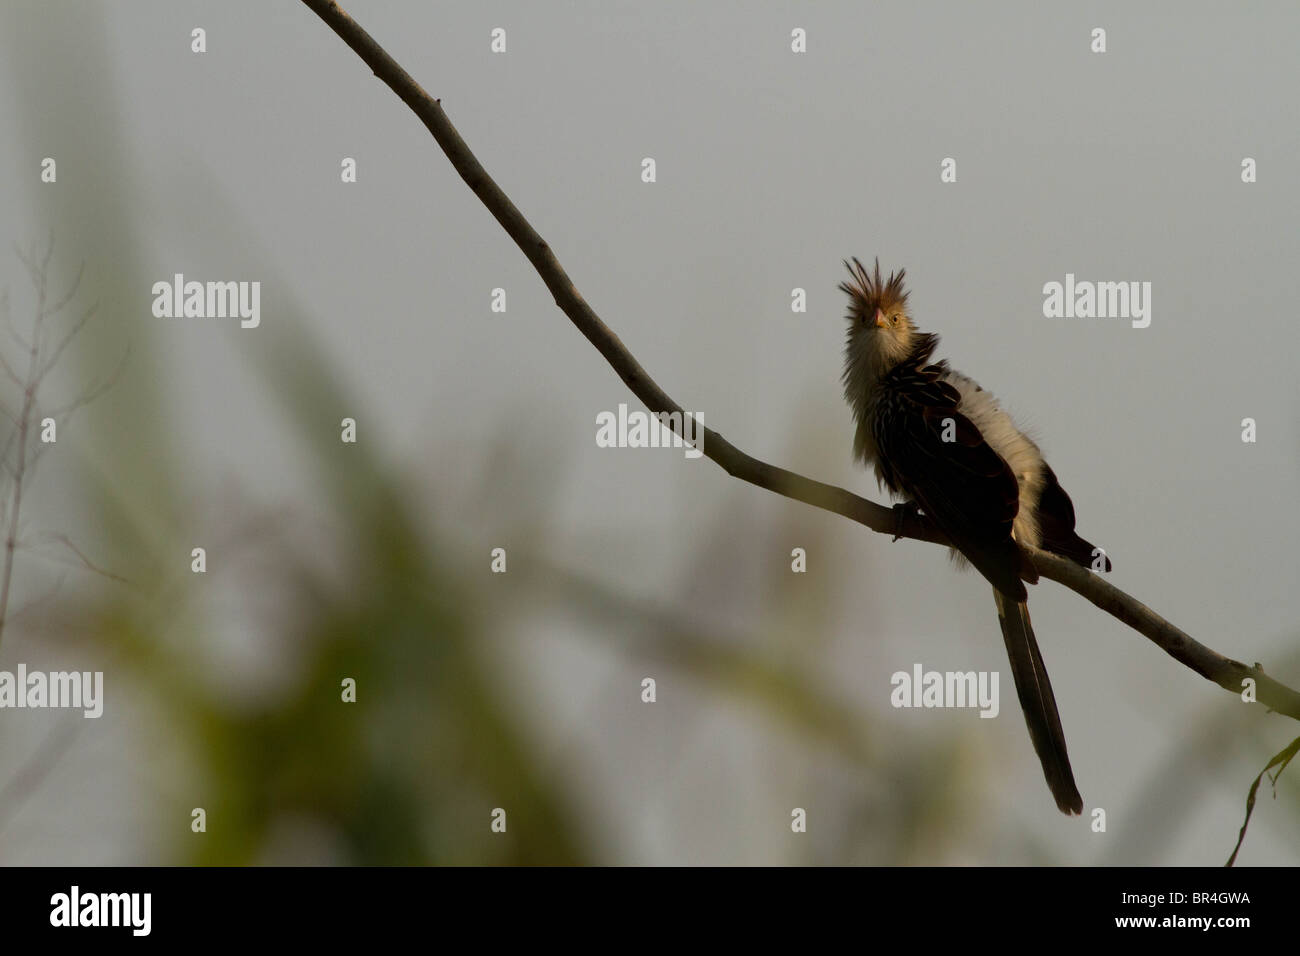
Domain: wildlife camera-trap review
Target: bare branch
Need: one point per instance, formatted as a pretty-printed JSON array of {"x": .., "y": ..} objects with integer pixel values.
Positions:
[
  {"x": 1175, "y": 642},
  {"x": 38, "y": 367},
  {"x": 13, "y": 376},
  {"x": 19, "y": 469},
  {"x": 70, "y": 294},
  {"x": 28, "y": 260},
  {"x": 13, "y": 329},
  {"x": 9, "y": 323},
  {"x": 49, "y": 254},
  {"x": 72, "y": 333},
  {"x": 84, "y": 561}
]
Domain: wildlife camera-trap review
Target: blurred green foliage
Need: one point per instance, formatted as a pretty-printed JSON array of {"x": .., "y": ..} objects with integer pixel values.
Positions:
[{"x": 408, "y": 773}]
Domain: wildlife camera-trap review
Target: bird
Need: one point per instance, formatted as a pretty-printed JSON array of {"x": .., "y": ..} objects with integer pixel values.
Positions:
[{"x": 946, "y": 447}]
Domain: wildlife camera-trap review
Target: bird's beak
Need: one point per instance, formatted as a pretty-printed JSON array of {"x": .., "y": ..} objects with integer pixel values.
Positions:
[{"x": 881, "y": 322}]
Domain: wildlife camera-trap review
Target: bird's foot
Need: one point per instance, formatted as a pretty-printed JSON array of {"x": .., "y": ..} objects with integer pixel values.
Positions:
[{"x": 902, "y": 511}]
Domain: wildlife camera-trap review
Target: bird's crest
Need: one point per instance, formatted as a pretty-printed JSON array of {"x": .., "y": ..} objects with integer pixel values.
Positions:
[{"x": 868, "y": 292}]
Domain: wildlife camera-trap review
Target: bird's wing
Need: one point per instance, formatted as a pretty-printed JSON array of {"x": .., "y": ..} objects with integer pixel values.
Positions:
[
  {"x": 1056, "y": 525},
  {"x": 962, "y": 483}
]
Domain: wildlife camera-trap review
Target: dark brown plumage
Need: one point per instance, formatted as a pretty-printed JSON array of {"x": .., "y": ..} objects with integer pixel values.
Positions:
[{"x": 939, "y": 440}]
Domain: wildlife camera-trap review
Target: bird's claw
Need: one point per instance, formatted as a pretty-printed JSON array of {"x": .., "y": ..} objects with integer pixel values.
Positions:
[{"x": 901, "y": 512}]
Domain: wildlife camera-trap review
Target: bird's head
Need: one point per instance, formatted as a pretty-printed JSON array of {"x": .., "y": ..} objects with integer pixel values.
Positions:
[{"x": 880, "y": 333}]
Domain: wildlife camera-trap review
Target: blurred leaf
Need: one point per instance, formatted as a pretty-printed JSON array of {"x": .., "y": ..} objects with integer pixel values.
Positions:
[{"x": 1280, "y": 760}]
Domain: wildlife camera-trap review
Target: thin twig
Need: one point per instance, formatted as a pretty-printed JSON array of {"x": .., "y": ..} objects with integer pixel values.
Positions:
[
  {"x": 40, "y": 361},
  {"x": 24, "y": 423},
  {"x": 64, "y": 540},
  {"x": 68, "y": 296},
  {"x": 72, "y": 333},
  {"x": 13, "y": 376}
]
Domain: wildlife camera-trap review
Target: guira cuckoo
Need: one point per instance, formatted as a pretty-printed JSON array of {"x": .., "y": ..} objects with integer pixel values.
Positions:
[{"x": 944, "y": 445}]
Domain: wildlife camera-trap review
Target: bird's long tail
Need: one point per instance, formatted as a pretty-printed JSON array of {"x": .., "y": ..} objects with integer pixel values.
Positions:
[{"x": 1037, "y": 701}]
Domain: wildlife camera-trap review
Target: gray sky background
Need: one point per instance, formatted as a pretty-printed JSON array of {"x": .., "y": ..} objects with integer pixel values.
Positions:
[{"x": 772, "y": 167}]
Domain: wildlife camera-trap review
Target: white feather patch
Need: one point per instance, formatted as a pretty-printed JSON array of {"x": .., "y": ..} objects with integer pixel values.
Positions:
[{"x": 1012, "y": 446}]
